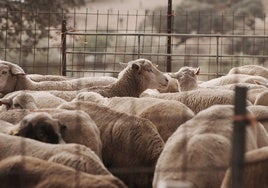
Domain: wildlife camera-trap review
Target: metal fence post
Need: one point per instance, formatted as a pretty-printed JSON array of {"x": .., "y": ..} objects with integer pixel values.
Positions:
[
  {"x": 239, "y": 130},
  {"x": 169, "y": 31},
  {"x": 63, "y": 47}
]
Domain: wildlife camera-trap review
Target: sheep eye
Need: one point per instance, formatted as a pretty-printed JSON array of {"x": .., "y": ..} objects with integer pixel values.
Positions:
[
  {"x": 4, "y": 72},
  {"x": 17, "y": 105}
]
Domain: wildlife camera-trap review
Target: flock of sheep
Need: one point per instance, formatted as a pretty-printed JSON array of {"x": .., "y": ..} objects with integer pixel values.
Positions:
[{"x": 139, "y": 130}]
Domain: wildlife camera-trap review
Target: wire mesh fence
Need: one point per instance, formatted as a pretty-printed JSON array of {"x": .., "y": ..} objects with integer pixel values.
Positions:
[
  {"x": 93, "y": 44},
  {"x": 215, "y": 42}
]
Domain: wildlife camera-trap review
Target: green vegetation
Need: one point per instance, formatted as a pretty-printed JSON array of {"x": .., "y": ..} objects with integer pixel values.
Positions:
[{"x": 28, "y": 21}]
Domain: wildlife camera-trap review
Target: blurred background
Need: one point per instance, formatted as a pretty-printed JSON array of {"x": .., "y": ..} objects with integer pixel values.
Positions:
[{"x": 215, "y": 35}]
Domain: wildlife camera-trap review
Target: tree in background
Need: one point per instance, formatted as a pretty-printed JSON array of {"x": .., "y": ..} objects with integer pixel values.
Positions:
[
  {"x": 25, "y": 22},
  {"x": 210, "y": 16}
]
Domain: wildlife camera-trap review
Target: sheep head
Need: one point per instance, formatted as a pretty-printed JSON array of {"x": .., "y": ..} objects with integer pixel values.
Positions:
[
  {"x": 146, "y": 73},
  {"x": 40, "y": 126},
  {"x": 20, "y": 101},
  {"x": 8, "y": 76}
]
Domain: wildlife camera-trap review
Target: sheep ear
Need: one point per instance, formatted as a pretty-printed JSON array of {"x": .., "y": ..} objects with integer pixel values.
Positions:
[
  {"x": 123, "y": 65},
  {"x": 13, "y": 132},
  {"x": 257, "y": 82},
  {"x": 197, "y": 70},
  {"x": 15, "y": 69},
  {"x": 7, "y": 102},
  {"x": 62, "y": 128},
  {"x": 172, "y": 75},
  {"x": 136, "y": 67}
]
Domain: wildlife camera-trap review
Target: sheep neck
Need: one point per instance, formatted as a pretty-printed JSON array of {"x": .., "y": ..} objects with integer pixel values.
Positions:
[
  {"x": 25, "y": 83},
  {"x": 128, "y": 85}
]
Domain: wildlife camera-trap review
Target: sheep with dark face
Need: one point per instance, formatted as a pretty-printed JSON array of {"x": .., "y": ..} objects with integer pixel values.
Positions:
[
  {"x": 53, "y": 126},
  {"x": 138, "y": 76},
  {"x": 38, "y": 126},
  {"x": 13, "y": 78},
  {"x": 31, "y": 172}
]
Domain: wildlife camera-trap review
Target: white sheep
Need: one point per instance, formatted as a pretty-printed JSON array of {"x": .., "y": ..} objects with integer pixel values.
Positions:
[
  {"x": 40, "y": 77},
  {"x": 233, "y": 78},
  {"x": 262, "y": 99},
  {"x": 256, "y": 70},
  {"x": 138, "y": 76},
  {"x": 76, "y": 156},
  {"x": 80, "y": 129},
  {"x": 199, "y": 151},
  {"x": 54, "y": 126},
  {"x": 128, "y": 142},
  {"x": 31, "y": 172},
  {"x": 171, "y": 87},
  {"x": 187, "y": 78},
  {"x": 27, "y": 99},
  {"x": 260, "y": 113},
  {"x": 13, "y": 78},
  {"x": 201, "y": 98},
  {"x": 253, "y": 89},
  {"x": 255, "y": 173},
  {"x": 166, "y": 115}
]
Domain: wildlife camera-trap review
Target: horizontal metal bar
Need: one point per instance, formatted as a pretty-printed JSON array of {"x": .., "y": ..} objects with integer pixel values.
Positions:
[
  {"x": 110, "y": 71},
  {"x": 165, "y": 54},
  {"x": 171, "y": 34},
  {"x": 98, "y": 71}
]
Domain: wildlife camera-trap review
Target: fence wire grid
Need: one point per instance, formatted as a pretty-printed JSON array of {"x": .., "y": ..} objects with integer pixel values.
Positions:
[{"x": 93, "y": 43}]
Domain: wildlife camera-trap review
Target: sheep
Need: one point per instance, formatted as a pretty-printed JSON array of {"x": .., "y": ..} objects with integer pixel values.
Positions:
[
  {"x": 138, "y": 76},
  {"x": 166, "y": 115},
  {"x": 30, "y": 100},
  {"x": 256, "y": 70},
  {"x": 13, "y": 78},
  {"x": 199, "y": 150},
  {"x": 128, "y": 142},
  {"x": 260, "y": 113},
  {"x": 187, "y": 78},
  {"x": 55, "y": 126},
  {"x": 182, "y": 80},
  {"x": 171, "y": 87},
  {"x": 39, "y": 126},
  {"x": 80, "y": 129},
  {"x": 40, "y": 77},
  {"x": 262, "y": 99},
  {"x": 20, "y": 101},
  {"x": 76, "y": 156},
  {"x": 231, "y": 79},
  {"x": 31, "y": 172},
  {"x": 254, "y": 170},
  {"x": 199, "y": 99},
  {"x": 253, "y": 89}
]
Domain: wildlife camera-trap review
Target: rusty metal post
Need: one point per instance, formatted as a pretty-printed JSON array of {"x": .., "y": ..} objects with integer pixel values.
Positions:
[
  {"x": 63, "y": 47},
  {"x": 169, "y": 31},
  {"x": 239, "y": 131}
]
